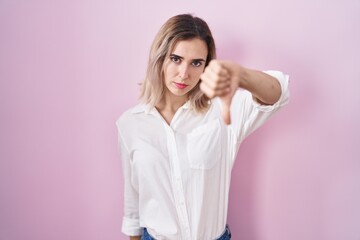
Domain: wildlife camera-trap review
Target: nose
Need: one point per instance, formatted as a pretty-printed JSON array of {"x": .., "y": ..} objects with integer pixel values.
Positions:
[{"x": 183, "y": 71}]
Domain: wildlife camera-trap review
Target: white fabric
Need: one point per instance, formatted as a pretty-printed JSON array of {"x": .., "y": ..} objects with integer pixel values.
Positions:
[{"x": 177, "y": 176}]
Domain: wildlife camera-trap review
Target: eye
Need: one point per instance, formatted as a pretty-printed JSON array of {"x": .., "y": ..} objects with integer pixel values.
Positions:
[
  {"x": 175, "y": 59},
  {"x": 197, "y": 63}
]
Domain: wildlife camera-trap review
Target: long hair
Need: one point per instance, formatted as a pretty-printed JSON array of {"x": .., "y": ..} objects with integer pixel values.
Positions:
[{"x": 180, "y": 27}]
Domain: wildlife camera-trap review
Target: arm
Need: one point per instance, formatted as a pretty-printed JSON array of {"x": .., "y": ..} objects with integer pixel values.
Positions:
[
  {"x": 264, "y": 88},
  {"x": 130, "y": 225},
  {"x": 223, "y": 78}
]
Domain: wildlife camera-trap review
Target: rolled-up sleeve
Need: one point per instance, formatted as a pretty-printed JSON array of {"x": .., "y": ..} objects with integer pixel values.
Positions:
[
  {"x": 131, "y": 227},
  {"x": 284, "y": 97},
  {"x": 131, "y": 223}
]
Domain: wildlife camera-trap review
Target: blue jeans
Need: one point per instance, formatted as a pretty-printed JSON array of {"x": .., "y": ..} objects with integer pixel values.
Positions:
[{"x": 225, "y": 236}]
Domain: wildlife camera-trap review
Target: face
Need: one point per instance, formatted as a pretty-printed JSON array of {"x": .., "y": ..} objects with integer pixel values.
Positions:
[{"x": 184, "y": 66}]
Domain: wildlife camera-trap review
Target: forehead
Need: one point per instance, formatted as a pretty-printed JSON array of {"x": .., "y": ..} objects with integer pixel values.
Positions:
[{"x": 191, "y": 49}]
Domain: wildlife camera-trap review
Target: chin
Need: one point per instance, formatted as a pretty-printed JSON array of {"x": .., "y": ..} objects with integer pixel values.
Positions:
[{"x": 179, "y": 94}]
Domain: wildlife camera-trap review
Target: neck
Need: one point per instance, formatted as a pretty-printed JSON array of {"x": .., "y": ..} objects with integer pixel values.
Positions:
[{"x": 169, "y": 104}]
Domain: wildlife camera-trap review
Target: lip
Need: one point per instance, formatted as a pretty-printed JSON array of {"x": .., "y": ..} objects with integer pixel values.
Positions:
[{"x": 180, "y": 85}]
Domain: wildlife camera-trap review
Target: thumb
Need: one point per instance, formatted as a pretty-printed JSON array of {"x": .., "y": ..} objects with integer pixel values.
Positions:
[{"x": 226, "y": 111}]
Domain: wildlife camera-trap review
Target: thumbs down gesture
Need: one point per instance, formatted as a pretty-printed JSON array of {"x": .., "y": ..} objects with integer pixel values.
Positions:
[{"x": 221, "y": 79}]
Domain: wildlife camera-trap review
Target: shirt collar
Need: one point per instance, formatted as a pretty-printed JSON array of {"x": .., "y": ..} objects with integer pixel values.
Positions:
[
  {"x": 141, "y": 108},
  {"x": 146, "y": 108}
]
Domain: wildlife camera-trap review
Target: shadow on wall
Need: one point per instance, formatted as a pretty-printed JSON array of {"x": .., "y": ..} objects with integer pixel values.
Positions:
[{"x": 243, "y": 214}]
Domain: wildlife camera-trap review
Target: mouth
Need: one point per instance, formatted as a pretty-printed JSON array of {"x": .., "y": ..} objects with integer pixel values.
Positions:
[{"x": 180, "y": 85}]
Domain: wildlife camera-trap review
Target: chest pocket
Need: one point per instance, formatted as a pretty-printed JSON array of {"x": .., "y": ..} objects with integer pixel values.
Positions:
[{"x": 204, "y": 145}]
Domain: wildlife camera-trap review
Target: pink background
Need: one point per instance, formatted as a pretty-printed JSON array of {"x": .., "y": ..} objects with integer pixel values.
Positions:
[{"x": 68, "y": 69}]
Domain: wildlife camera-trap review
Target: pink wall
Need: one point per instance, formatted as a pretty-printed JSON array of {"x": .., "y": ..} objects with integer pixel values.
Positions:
[{"x": 68, "y": 69}]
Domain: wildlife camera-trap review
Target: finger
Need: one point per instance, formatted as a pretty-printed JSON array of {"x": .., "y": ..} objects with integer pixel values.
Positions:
[
  {"x": 226, "y": 112},
  {"x": 211, "y": 92},
  {"x": 223, "y": 86},
  {"x": 213, "y": 80},
  {"x": 219, "y": 85},
  {"x": 218, "y": 69}
]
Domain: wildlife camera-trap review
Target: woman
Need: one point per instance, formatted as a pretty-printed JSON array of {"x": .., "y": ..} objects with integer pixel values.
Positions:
[{"x": 179, "y": 145}]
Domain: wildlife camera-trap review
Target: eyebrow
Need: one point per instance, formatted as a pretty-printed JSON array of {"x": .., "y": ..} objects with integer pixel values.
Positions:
[{"x": 196, "y": 59}]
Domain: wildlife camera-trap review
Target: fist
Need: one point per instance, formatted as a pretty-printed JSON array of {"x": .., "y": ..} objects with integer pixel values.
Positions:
[{"x": 221, "y": 79}]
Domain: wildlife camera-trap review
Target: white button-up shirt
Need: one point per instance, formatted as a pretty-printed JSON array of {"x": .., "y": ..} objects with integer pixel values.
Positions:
[{"x": 177, "y": 176}]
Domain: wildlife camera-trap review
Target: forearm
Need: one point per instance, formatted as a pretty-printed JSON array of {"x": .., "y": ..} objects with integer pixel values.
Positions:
[{"x": 265, "y": 88}]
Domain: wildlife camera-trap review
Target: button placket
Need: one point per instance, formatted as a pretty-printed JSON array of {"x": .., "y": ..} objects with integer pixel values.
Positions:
[{"x": 177, "y": 183}]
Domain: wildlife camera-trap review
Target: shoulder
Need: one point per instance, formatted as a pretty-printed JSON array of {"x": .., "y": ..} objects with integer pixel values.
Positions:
[{"x": 130, "y": 117}]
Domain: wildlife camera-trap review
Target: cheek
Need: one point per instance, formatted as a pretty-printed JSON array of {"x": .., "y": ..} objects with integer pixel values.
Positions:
[
  {"x": 169, "y": 71},
  {"x": 196, "y": 73},
  {"x": 166, "y": 74}
]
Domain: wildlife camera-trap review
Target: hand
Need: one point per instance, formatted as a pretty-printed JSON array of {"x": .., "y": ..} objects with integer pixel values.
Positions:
[{"x": 221, "y": 79}]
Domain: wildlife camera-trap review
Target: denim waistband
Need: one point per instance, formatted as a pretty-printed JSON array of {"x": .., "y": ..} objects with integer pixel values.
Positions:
[{"x": 225, "y": 236}]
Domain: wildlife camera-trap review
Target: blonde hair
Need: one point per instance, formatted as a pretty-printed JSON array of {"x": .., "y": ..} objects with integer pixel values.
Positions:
[{"x": 180, "y": 27}]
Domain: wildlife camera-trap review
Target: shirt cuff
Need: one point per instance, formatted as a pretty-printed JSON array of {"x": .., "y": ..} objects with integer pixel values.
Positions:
[
  {"x": 284, "y": 98},
  {"x": 131, "y": 227}
]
